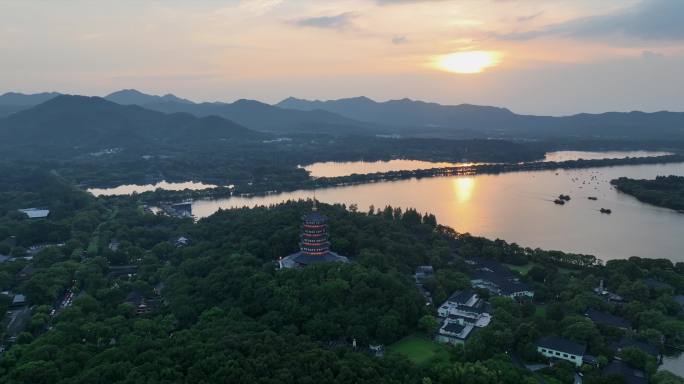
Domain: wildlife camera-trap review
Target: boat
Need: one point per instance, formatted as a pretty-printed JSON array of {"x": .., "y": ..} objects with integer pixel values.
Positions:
[
  {"x": 564, "y": 197},
  {"x": 605, "y": 210},
  {"x": 592, "y": 198},
  {"x": 559, "y": 201}
]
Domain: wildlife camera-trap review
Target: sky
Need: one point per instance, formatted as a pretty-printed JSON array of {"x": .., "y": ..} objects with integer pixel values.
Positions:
[{"x": 548, "y": 57}]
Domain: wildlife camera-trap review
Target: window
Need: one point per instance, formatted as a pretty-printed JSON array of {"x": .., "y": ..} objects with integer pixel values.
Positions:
[
  {"x": 565, "y": 355},
  {"x": 557, "y": 353},
  {"x": 543, "y": 350}
]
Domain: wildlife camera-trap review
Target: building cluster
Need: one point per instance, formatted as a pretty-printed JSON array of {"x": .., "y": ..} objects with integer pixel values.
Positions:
[
  {"x": 465, "y": 311},
  {"x": 498, "y": 279},
  {"x": 460, "y": 315}
]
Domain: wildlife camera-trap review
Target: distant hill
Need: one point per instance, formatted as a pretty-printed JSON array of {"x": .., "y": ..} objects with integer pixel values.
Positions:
[
  {"x": 12, "y": 102},
  {"x": 401, "y": 112},
  {"x": 252, "y": 114},
  {"x": 15, "y": 98},
  {"x": 422, "y": 118},
  {"x": 66, "y": 123},
  {"x": 132, "y": 96}
]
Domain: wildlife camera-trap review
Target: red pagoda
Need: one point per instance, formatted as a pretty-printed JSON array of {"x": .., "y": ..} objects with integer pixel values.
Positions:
[{"x": 314, "y": 246}]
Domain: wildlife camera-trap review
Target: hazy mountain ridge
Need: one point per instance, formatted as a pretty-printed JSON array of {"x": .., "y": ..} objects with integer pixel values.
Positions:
[
  {"x": 265, "y": 117},
  {"x": 67, "y": 122},
  {"x": 423, "y": 118},
  {"x": 133, "y": 96},
  {"x": 406, "y": 117}
]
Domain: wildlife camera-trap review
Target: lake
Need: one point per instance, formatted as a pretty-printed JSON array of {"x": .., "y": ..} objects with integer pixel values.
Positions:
[{"x": 518, "y": 207}]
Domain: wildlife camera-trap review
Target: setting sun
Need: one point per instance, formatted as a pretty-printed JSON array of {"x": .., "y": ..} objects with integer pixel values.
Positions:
[{"x": 468, "y": 62}]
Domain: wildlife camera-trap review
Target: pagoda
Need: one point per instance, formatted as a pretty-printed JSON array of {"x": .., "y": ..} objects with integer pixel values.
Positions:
[{"x": 314, "y": 244}]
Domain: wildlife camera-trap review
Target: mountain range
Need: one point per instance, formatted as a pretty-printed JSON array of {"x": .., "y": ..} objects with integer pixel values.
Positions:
[
  {"x": 75, "y": 123},
  {"x": 405, "y": 117}
]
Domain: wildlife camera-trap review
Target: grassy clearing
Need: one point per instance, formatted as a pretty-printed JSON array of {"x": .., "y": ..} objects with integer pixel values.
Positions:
[
  {"x": 522, "y": 269},
  {"x": 417, "y": 348}
]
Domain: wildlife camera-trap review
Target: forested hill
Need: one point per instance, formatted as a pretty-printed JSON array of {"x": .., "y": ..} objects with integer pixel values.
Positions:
[
  {"x": 418, "y": 117},
  {"x": 78, "y": 123}
]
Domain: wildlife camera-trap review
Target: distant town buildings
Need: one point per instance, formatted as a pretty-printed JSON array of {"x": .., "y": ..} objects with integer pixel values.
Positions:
[{"x": 314, "y": 245}]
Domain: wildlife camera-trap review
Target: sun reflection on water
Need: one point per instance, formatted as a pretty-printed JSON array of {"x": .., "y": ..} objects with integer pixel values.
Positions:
[{"x": 464, "y": 187}]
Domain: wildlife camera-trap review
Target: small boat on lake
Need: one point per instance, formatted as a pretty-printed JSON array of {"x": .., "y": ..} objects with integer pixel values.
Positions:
[
  {"x": 564, "y": 197},
  {"x": 559, "y": 201},
  {"x": 592, "y": 198},
  {"x": 605, "y": 210}
]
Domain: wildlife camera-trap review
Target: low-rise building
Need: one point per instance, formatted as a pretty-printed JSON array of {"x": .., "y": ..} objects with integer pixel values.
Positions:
[
  {"x": 497, "y": 279},
  {"x": 628, "y": 374},
  {"x": 608, "y": 296},
  {"x": 182, "y": 242},
  {"x": 606, "y": 319},
  {"x": 643, "y": 346},
  {"x": 454, "y": 331},
  {"x": 137, "y": 300},
  {"x": 35, "y": 213},
  {"x": 423, "y": 272},
  {"x": 558, "y": 348},
  {"x": 467, "y": 306}
]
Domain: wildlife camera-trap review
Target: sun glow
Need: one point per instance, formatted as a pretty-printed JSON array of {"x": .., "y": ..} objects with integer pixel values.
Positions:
[{"x": 469, "y": 61}]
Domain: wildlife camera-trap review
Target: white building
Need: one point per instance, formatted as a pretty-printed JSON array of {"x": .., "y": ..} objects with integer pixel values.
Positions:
[
  {"x": 35, "y": 213},
  {"x": 467, "y": 306},
  {"x": 557, "y": 348}
]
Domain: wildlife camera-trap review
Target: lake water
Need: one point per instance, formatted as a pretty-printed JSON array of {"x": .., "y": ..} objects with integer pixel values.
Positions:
[
  {"x": 335, "y": 169},
  {"x": 134, "y": 188},
  {"x": 518, "y": 207}
]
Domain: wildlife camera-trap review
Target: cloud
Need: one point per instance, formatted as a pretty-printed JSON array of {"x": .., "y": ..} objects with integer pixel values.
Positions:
[
  {"x": 533, "y": 16},
  {"x": 647, "y": 55},
  {"x": 341, "y": 21},
  {"x": 383, "y": 2},
  {"x": 399, "y": 40},
  {"x": 648, "y": 20}
]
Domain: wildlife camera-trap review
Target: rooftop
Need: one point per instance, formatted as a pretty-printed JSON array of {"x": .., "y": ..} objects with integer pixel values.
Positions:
[
  {"x": 466, "y": 297},
  {"x": 35, "y": 213},
  {"x": 562, "y": 345},
  {"x": 631, "y": 343},
  {"x": 315, "y": 217},
  {"x": 603, "y": 318},
  {"x": 629, "y": 375}
]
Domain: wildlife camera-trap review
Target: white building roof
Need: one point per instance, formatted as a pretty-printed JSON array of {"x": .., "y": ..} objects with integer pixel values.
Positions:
[{"x": 35, "y": 213}]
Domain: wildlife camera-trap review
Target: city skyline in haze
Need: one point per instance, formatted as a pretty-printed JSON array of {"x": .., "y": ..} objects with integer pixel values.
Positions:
[{"x": 548, "y": 58}]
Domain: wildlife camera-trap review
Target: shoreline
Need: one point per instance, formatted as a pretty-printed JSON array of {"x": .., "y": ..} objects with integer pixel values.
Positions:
[{"x": 247, "y": 190}]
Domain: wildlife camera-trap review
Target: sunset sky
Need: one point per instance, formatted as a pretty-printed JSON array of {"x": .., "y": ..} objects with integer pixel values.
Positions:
[{"x": 532, "y": 56}]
